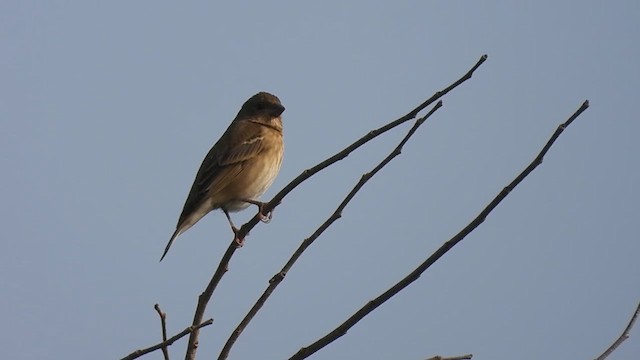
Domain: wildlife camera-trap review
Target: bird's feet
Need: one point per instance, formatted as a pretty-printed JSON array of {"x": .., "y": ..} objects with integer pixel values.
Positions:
[
  {"x": 265, "y": 218},
  {"x": 239, "y": 242}
]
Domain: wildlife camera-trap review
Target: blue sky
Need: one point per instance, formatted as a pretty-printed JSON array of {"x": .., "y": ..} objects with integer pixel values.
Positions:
[{"x": 107, "y": 109}]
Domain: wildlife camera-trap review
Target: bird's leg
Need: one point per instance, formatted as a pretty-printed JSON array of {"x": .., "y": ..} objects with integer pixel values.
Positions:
[
  {"x": 235, "y": 230},
  {"x": 264, "y": 218}
]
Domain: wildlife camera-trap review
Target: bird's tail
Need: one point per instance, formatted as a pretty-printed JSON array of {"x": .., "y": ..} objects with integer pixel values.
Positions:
[{"x": 173, "y": 237}]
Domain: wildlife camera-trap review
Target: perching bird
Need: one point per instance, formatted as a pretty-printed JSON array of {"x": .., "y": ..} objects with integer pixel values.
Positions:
[{"x": 240, "y": 167}]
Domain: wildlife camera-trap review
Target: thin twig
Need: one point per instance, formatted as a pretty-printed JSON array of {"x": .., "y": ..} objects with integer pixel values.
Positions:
[
  {"x": 223, "y": 266},
  {"x": 624, "y": 336},
  {"x": 461, "y": 357},
  {"x": 277, "y": 278},
  {"x": 415, "y": 274},
  {"x": 136, "y": 354},
  {"x": 163, "y": 322}
]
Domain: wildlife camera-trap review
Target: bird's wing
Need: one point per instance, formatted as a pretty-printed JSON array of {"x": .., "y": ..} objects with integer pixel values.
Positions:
[
  {"x": 222, "y": 165},
  {"x": 229, "y": 164}
]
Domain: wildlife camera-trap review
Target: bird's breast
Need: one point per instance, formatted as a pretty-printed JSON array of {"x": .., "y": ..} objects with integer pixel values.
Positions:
[{"x": 258, "y": 173}]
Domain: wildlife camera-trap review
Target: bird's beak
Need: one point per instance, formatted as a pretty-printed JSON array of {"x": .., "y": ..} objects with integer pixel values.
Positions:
[{"x": 277, "y": 110}]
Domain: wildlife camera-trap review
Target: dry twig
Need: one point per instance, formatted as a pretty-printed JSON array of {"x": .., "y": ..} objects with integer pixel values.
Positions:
[
  {"x": 624, "y": 336},
  {"x": 136, "y": 354},
  {"x": 163, "y": 323},
  {"x": 461, "y": 357}
]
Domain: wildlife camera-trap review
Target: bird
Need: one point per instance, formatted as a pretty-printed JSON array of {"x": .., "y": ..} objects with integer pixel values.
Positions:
[{"x": 240, "y": 166}]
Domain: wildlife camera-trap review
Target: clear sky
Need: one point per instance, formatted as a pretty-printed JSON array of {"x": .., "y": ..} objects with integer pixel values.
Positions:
[{"x": 108, "y": 108}]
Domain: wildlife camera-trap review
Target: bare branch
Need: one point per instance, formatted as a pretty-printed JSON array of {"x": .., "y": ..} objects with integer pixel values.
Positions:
[
  {"x": 136, "y": 354},
  {"x": 223, "y": 266},
  {"x": 277, "y": 278},
  {"x": 415, "y": 274},
  {"x": 624, "y": 336},
  {"x": 163, "y": 322}
]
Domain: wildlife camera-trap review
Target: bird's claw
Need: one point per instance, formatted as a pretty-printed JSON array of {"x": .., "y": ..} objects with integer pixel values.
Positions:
[
  {"x": 239, "y": 242},
  {"x": 265, "y": 218}
]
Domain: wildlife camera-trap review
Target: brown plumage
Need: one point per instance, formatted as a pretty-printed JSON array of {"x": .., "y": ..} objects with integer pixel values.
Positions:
[{"x": 240, "y": 167}]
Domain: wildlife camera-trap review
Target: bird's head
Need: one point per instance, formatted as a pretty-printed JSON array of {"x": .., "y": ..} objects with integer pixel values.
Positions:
[{"x": 262, "y": 104}]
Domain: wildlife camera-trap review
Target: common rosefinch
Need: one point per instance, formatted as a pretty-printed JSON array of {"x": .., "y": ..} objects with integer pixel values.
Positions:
[{"x": 240, "y": 167}]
